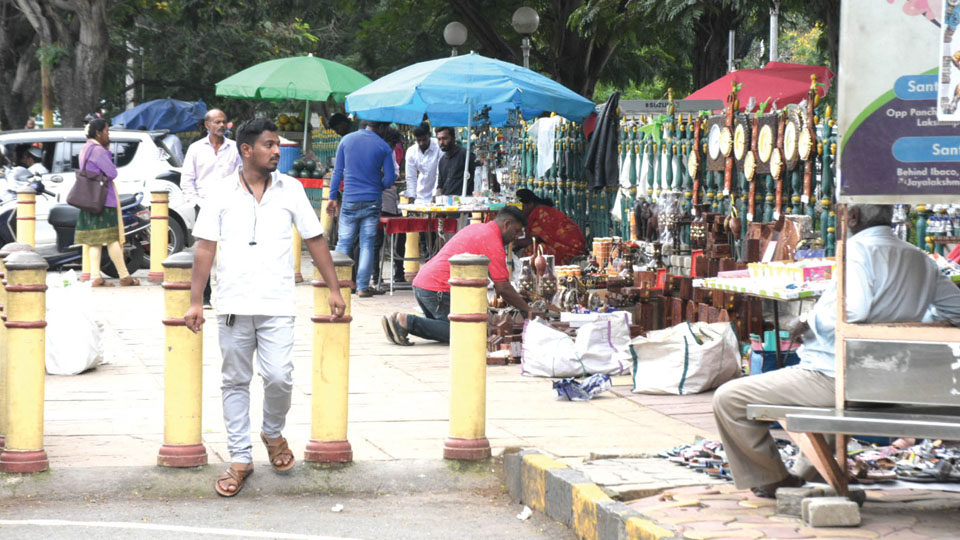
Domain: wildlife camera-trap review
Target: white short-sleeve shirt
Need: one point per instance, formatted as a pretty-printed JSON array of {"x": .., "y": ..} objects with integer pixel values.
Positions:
[{"x": 255, "y": 260}]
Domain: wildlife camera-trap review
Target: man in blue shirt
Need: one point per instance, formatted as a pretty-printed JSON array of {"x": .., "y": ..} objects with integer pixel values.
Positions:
[
  {"x": 888, "y": 280},
  {"x": 365, "y": 168}
]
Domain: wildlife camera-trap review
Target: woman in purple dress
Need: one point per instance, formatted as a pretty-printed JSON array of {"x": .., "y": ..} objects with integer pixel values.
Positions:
[{"x": 97, "y": 230}]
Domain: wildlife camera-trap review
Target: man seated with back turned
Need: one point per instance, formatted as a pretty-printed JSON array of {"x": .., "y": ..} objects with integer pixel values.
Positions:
[
  {"x": 432, "y": 288},
  {"x": 888, "y": 280}
]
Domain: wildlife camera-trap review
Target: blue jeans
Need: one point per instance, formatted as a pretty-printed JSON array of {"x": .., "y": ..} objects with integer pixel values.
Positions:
[
  {"x": 359, "y": 219},
  {"x": 436, "y": 307}
]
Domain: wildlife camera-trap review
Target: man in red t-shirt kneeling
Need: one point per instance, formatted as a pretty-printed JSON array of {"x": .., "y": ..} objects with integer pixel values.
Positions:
[{"x": 432, "y": 288}]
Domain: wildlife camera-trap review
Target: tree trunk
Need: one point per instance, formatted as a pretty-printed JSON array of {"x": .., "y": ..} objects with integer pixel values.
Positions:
[
  {"x": 78, "y": 27},
  {"x": 710, "y": 45},
  {"x": 18, "y": 68}
]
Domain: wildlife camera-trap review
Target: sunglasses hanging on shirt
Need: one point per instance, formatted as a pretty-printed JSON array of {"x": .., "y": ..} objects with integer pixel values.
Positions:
[{"x": 253, "y": 233}]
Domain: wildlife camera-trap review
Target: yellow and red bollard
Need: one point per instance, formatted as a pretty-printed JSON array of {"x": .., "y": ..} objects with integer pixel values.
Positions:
[
  {"x": 468, "y": 359},
  {"x": 159, "y": 233},
  {"x": 6, "y": 250},
  {"x": 27, "y": 216},
  {"x": 331, "y": 370},
  {"x": 182, "y": 370},
  {"x": 25, "y": 340},
  {"x": 297, "y": 256}
]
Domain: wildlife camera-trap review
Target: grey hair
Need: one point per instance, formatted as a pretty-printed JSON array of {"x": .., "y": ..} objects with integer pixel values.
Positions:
[
  {"x": 872, "y": 215},
  {"x": 207, "y": 116}
]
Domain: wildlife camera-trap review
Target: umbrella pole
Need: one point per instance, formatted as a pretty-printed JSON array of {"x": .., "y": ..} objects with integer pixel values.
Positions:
[
  {"x": 306, "y": 125},
  {"x": 466, "y": 159}
]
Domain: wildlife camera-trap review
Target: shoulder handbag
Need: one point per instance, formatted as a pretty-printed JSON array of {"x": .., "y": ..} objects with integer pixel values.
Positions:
[{"x": 89, "y": 192}]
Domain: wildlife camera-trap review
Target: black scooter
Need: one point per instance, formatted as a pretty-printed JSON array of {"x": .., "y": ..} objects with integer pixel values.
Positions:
[{"x": 63, "y": 218}]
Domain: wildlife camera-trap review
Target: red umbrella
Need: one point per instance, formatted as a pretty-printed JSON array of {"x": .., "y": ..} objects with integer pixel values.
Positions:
[{"x": 777, "y": 81}]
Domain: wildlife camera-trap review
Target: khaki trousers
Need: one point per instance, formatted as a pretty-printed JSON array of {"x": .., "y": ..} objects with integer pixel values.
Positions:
[{"x": 751, "y": 451}]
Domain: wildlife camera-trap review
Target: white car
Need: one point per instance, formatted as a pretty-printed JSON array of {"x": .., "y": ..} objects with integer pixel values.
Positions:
[{"x": 144, "y": 164}]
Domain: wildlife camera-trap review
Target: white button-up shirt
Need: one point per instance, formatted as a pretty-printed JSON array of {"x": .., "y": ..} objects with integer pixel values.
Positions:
[
  {"x": 255, "y": 260},
  {"x": 204, "y": 167},
  {"x": 421, "y": 172},
  {"x": 888, "y": 280}
]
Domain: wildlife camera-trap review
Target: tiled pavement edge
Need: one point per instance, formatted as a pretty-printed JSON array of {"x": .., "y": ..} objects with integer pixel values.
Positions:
[
  {"x": 696, "y": 511},
  {"x": 570, "y": 497}
]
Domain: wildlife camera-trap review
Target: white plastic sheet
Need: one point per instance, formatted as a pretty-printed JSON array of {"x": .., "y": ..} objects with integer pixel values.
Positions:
[{"x": 74, "y": 336}]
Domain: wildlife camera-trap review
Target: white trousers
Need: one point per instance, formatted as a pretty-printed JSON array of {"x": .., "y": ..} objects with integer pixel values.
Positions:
[
  {"x": 751, "y": 451},
  {"x": 272, "y": 339}
]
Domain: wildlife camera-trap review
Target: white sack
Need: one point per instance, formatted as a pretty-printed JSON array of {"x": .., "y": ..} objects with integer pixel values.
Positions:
[
  {"x": 74, "y": 336},
  {"x": 602, "y": 346},
  {"x": 688, "y": 358}
]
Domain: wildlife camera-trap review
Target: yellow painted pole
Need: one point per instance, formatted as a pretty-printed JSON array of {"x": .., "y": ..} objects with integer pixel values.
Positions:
[
  {"x": 476, "y": 217},
  {"x": 4, "y": 252},
  {"x": 468, "y": 359},
  {"x": 159, "y": 233},
  {"x": 297, "y": 255},
  {"x": 331, "y": 370},
  {"x": 26, "y": 335},
  {"x": 182, "y": 370},
  {"x": 326, "y": 221},
  {"x": 85, "y": 263},
  {"x": 411, "y": 250},
  {"x": 27, "y": 216}
]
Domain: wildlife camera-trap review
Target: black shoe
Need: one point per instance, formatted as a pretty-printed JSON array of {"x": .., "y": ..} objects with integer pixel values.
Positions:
[{"x": 769, "y": 491}]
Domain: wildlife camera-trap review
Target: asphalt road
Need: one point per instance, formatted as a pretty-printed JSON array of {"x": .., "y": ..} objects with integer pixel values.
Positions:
[{"x": 475, "y": 514}]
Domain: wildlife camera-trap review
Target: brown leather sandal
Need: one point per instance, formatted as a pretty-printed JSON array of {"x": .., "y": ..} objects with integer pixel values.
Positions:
[
  {"x": 100, "y": 282},
  {"x": 129, "y": 281},
  {"x": 276, "y": 449},
  {"x": 234, "y": 477}
]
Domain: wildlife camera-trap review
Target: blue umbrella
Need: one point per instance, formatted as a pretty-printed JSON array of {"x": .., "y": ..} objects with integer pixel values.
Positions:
[
  {"x": 451, "y": 90},
  {"x": 170, "y": 114}
]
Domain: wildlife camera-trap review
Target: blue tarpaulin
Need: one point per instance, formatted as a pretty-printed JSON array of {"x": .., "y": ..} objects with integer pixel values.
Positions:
[
  {"x": 449, "y": 90},
  {"x": 170, "y": 114}
]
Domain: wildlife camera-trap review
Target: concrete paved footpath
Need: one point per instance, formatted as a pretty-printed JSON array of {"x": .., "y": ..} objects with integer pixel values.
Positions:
[
  {"x": 109, "y": 421},
  {"x": 398, "y": 402}
]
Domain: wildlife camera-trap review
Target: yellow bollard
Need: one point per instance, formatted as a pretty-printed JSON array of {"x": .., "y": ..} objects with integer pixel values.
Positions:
[
  {"x": 27, "y": 216},
  {"x": 331, "y": 370},
  {"x": 85, "y": 263},
  {"x": 468, "y": 359},
  {"x": 159, "y": 233},
  {"x": 411, "y": 251},
  {"x": 26, "y": 334},
  {"x": 476, "y": 217},
  {"x": 4, "y": 252},
  {"x": 326, "y": 220},
  {"x": 297, "y": 255},
  {"x": 182, "y": 370}
]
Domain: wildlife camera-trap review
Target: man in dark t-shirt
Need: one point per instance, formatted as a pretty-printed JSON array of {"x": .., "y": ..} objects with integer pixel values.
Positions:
[{"x": 450, "y": 166}]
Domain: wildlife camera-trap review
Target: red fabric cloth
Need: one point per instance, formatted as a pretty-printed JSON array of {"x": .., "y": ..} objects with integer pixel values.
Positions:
[
  {"x": 560, "y": 235},
  {"x": 478, "y": 239},
  {"x": 312, "y": 183},
  {"x": 401, "y": 225},
  {"x": 777, "y": 81}
]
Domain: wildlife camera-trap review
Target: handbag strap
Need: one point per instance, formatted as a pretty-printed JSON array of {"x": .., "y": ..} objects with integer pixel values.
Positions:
[{"x": 85, "y": 156}]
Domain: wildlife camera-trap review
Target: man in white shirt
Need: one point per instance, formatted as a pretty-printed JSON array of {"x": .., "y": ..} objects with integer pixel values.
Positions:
[
  {"x": 888, "y": 280},
  {"x": 421, "y": 166},
  {"x": 208, "y": 161},
  {"x": 32, "y": 160},
  {"x": 250, "y": 217},
  {"x": 173, "y": 144}
]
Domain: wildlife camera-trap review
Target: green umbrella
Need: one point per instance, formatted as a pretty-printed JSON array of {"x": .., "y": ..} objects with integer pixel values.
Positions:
[{"x": 300, "y": 77}]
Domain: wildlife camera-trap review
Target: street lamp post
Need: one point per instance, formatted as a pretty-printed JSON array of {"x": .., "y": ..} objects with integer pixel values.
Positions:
[
  {"x": 455, "y": 34},
  {"x": 525, "y": 21}
]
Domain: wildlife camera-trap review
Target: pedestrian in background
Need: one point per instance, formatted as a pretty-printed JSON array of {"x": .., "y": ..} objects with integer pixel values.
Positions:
[
  {"x": 95, "y": 230},
  {"x": 365, "y": 167},
  {"x": 208, "y": 161}
]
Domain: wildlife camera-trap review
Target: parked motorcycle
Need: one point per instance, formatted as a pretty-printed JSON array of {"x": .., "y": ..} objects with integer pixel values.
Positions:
[{"x": 56, "y": 224}]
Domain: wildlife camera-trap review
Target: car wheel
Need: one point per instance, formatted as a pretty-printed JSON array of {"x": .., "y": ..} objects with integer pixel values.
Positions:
[
  {"x": 133, "y": 257},
  {"x": 176, "y": 237}
]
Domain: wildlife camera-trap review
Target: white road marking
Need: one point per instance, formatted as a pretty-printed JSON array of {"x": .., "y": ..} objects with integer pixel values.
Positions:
[{"x": 237, "y": 533}]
